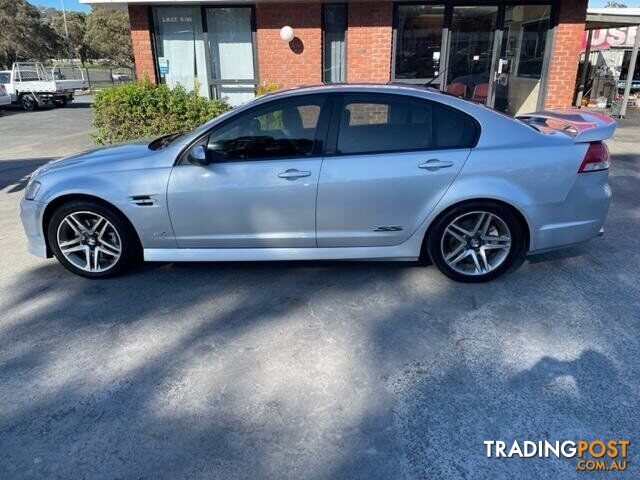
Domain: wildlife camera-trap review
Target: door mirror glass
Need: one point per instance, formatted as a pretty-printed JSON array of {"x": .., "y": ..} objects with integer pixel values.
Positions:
[{"x": 198, "y": 155}]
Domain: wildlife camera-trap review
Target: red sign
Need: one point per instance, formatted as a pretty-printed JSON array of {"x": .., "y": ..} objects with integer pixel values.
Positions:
[{"x": 611, "y": 37}]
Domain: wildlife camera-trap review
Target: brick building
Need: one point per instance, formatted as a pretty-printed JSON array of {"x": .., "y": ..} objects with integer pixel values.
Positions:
[{"x": 514, "y": 56}]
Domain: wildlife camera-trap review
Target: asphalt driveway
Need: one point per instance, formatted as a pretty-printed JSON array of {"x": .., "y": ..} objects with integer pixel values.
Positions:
[{"x": 311, "y": 370}]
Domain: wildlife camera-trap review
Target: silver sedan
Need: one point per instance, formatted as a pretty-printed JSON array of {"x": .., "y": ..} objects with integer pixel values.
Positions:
[{"x": 338, "y": 172}]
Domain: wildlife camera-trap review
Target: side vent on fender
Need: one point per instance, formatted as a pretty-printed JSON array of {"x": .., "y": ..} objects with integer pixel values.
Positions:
[{"x": 143, "y": 200}]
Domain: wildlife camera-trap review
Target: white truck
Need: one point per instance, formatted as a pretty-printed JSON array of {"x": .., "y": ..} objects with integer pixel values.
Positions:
[{"x": 31, "y": 85}]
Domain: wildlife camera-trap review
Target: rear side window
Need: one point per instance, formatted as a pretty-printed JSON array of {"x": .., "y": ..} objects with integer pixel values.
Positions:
[{"x": 392, "y": 123}]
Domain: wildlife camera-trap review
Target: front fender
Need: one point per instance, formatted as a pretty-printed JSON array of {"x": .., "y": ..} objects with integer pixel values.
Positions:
[{"x": 150, "y": 220}]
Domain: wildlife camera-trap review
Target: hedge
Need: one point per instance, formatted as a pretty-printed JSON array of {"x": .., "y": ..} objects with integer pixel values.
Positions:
[{"x": 142, "y": 109}]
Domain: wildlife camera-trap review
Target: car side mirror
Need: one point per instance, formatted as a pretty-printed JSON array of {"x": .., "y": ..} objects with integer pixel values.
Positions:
[{"x": 198, "y": 155}]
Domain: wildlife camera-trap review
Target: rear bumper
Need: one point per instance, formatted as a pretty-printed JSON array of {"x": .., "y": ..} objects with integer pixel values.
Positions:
[
  {"x": 578, "y": 219},
  {"x": 31, "y": 216}
]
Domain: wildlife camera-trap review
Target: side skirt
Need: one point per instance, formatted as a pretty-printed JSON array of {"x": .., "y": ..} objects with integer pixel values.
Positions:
[{"x": 394, "y": 253}]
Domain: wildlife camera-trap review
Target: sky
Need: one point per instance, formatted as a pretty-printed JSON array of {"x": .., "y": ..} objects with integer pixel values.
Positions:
[{"x": 68, "y": 4}]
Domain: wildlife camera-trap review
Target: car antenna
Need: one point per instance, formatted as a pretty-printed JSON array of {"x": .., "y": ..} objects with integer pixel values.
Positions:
[{"x": 428, "y": 84}]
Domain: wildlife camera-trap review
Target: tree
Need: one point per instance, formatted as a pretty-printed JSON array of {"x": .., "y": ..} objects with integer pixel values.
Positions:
[
  {"x": 24, "y": 34},
  {"x": 76, "y": 25},
  {"x": 611, "y": 4},
  {"x": 107, "y": 36}
]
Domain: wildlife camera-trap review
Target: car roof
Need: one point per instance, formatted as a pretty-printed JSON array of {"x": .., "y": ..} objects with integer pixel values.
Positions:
[
  {"x": 422, "y": 91},
  {"x": 354, "y": 87}
]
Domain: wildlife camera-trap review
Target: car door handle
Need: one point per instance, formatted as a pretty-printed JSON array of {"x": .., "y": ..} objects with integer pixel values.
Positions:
[
  {"x": 435, "y": 164},
  {"x": 292, "y": 174}
]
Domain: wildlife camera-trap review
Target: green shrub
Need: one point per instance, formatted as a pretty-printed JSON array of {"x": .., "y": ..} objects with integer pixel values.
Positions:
[
  {"x": 266, "y": 88},
  {"x": 142, "y": 109}
]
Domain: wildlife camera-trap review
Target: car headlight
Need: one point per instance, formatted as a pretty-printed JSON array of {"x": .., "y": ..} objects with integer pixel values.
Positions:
[{"x": 32, "y": 190}]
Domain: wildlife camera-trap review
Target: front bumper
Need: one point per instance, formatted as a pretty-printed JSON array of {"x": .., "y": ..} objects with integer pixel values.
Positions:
[{"x": 31, "y": 216}]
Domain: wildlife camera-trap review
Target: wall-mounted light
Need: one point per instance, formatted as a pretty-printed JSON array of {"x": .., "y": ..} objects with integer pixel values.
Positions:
[{"x": 287, "y": 34}]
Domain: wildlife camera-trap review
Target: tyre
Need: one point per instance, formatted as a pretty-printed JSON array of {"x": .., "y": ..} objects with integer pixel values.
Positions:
[
  {"x": 28, "y": 103},
  {"x": 92, "y": 240},
  {"x": 476, "y": 242},
  {"x": 60, "y": 102}
]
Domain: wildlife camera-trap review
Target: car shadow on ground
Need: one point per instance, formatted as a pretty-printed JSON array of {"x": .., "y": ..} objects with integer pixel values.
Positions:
[
  {"x": 14, "y": 174},
  {"x": 9, "y": 110},
  {"x": 279, "y": 370}
]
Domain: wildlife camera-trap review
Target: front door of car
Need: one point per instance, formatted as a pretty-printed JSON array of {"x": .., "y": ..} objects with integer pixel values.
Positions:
[
  {"x": 259, "y": 189},
  {"x": 390, "y": 158}
]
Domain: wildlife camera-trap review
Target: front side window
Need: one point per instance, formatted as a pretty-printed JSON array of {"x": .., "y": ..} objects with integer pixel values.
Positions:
[
  {"x": 393, "y": 124},
  {"x": 284, "y": 129}
]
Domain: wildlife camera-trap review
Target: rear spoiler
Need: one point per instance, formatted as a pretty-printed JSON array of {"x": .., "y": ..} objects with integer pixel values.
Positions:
[{"x": 581, "y": 125}]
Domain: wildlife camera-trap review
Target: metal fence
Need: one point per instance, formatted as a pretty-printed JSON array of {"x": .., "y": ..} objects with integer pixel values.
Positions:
[{"x": 97, "y": 77}]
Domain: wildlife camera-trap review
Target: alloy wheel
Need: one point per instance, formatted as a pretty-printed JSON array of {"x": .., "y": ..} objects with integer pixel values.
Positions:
[
  {"x": 476, "y": 243},
  {"x": 89, "y": 241}
]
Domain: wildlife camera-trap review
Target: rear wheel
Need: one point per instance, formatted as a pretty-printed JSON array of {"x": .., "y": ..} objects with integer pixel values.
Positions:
[
  {"x": 92, "y": 240},
  {"x": 476, "y": 242},
  {"x": 60, "y": 102}
]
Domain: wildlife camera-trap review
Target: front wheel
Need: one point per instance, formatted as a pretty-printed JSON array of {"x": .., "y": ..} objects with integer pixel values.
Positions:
[
  {"x": 92, "y": 240},
  {"x": 476, "y": 242},
  {"x": 28, "y": 103}
]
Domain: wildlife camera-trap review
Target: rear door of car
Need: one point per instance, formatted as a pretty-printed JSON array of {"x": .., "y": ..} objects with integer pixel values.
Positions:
[{"x": 389, "y": 160}]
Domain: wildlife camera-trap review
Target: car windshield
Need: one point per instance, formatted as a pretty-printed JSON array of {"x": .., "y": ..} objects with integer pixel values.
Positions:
[{"x": 165, "y": 140}]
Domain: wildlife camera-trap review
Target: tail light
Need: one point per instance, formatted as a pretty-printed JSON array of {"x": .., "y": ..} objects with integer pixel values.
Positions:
[{"x": 596, "y": 158}]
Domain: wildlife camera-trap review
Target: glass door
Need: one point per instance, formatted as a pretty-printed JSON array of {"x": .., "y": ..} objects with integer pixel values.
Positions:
[
  {"x": 519, "y": 65},
  {"x": 419, "y": 44},
  {"x": 230, "y": 38},
  {"x": 180, "y": 48},
  {"x": 470, "y": 52}
]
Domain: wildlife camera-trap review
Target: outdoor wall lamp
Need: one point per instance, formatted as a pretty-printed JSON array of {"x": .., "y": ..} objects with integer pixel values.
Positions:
[{"x": 287, "y": 34}]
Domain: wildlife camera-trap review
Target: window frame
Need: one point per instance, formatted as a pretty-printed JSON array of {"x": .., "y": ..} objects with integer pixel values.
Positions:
[
  {"x": 395, "y": 39},
  {"x": 216, "y": 83},
  {"x": 319, "y": 140},
  {"x": 342, "y": 99},
  {"x": 323, "y": 52},
  {"x": 521, "y": 40},
  {"x": 213, "y": 83},
  {"x": 500, "y": 29}
]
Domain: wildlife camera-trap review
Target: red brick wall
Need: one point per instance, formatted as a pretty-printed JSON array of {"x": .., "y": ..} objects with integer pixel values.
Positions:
[
  {"x": 566, "y": 53},
  {"x": 369, "y": 39},
  {"x": 141, "y": 41},
  {"x": 298, "y": 62}
]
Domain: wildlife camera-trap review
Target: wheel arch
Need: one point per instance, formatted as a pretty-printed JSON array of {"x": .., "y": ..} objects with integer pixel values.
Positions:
[
  {"x": 57, "y": 202},
  {"x": 526, "y": 228}
]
